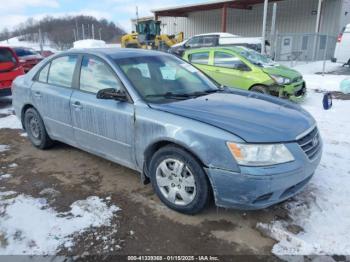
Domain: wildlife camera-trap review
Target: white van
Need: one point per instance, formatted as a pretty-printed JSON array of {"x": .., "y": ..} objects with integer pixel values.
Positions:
[{"x": 342, "y": 49}]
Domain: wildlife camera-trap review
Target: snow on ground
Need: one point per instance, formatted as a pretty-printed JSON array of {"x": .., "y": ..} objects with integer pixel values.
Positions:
[
  {"x": 15, "y": 42},
  {"x": 47, "y": 230},
  {"x": 322, "y": 209}
]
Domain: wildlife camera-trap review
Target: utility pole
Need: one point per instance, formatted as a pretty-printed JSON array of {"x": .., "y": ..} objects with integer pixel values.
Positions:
[
  {"x": 317, "y": 29},
  {"x": 83, "y": 30},
  {"x": 88, "y": 32},
  {"x": 75, "y": 36},
  {"x": 93, "y": 31},
  {"x": 273, "y": 30},
  {"x": 41, "y": 41},
  {"x": 76, "y": 28},
  {"x": 99, "y": 31},
  {"x": 263, "y": 35}
]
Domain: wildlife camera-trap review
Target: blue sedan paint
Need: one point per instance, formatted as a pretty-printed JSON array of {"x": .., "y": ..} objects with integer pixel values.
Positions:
[
  {"x": 252, "y": 118},
  {"x": 202, "y": 126}
]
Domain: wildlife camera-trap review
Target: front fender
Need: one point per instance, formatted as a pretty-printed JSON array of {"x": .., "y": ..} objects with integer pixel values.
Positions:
[{"x": 206, "y": 142}]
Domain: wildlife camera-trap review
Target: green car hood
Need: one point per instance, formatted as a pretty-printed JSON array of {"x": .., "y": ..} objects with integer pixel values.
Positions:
[{"x": 281, "y": 70}]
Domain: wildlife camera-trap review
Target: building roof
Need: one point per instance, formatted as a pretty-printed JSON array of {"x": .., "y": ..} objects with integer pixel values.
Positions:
[{"x": 183, "y": 10}]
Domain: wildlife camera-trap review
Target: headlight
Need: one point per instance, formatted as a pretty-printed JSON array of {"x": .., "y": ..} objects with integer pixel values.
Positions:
[
  {"x": 260, "y": 154},
  {"x": 280, "y": 79}
]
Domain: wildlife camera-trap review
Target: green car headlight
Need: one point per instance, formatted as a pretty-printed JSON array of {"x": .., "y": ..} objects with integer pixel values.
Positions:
[
  {"x": 281, "y": 80},
  {"x": 260, "y": 154}
]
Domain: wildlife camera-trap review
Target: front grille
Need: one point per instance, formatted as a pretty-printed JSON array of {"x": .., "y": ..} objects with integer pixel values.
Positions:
[{"x": 311, "y": 143}]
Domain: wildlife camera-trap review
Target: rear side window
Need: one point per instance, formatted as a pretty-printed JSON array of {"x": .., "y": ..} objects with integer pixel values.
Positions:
[
  {"x": 6, "y": 56},
  {"x": 96, "y": 75},
  {"x": 62, "y": 70},
  {"x": 226, "y": 60},
  {"x": 199, "y": 58},
  {"x": 44, "y": 73}
]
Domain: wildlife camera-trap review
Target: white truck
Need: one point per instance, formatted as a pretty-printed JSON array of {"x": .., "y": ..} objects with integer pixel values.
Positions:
[{"x": 342, "y": 49}]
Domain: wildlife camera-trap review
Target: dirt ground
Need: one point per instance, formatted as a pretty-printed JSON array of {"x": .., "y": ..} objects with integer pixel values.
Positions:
[{"x": 144, "y": 225}]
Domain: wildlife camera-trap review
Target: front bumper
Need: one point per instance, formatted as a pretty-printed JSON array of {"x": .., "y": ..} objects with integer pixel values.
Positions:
[
  {"x": 295, "y": 91},
  {"x": 260, "y": 187}
]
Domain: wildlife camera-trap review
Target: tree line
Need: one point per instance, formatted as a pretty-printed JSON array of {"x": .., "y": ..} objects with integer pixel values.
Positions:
[{"x": 62, "y": 32}]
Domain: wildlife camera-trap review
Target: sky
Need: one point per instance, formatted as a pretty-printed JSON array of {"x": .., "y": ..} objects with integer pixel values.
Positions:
[{"x": 14, "y": 12}]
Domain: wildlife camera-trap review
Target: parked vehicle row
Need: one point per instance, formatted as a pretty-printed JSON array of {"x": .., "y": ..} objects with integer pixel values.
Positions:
[
  {"x": 245, "y": 68},
  {"x": 16, "y": 61},
  {"x": 217, "y": 39},
  {"x": 161, "y": 116}
]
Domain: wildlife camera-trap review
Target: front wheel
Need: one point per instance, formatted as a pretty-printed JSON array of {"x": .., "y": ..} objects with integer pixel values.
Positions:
[
  {"x": 36, "y": 130},
  {"x": 179, "y": 180},
  {"x": 260, "y": 89}
]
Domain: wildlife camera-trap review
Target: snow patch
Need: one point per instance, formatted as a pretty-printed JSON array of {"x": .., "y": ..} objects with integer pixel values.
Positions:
[
  {"x": 11, "y": 122},
  {"x": 46, "y": 230},
  {"x": 320, "y": 209},
  {"x": 89, "y": 43},
  {"x": 4, "y": 148},
  {"x": 5, "y": 176}
]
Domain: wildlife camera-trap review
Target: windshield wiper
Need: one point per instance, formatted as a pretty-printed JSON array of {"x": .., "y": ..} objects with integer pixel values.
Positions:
[{"x": 171, "y": 95}]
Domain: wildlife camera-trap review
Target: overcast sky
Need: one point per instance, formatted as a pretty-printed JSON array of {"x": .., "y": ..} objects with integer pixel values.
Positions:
[{"x": 14, "y": 12}]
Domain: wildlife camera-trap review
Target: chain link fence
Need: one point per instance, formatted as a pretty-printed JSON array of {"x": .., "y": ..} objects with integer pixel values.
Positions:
[{"x": 303, "y": 47}]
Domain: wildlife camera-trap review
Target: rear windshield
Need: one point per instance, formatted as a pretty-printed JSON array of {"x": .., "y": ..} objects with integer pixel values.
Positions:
[
  {"x": 24, "y": 52},
  {"x": 6, "y": 56}
]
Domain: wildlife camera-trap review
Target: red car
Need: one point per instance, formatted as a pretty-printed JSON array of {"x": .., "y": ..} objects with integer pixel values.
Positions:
[
  {"x": 10, "y": 68},
  {"x": 28, "y": 58}
]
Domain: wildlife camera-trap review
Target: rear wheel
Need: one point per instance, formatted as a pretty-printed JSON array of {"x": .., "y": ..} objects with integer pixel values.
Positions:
[
  {"x": 36, "y": 130},
  {"x": 260, "y": 89},
  {"x": 179, "y": 180}
]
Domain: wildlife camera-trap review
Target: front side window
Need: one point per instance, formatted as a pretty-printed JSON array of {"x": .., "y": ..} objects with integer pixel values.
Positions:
[
  {"x": 223, "y": 59},
  {"x": 62, "y": 71},
  {"x": 195, "y": 41},
  {"x": 199, "y": 58},
  {"x": 96, "y": 75},
  {"x": 170, "y": 78}
]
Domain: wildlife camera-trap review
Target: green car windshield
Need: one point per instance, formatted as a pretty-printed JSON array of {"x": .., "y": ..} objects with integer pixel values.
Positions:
[
  {"x": 255, "y": 57},
  {"x": 162, "y": 78}
]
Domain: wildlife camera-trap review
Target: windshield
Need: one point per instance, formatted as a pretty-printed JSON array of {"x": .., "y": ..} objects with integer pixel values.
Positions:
[
  {"x": 163, "y": 78},
  {"x": 255, "y": 57}
]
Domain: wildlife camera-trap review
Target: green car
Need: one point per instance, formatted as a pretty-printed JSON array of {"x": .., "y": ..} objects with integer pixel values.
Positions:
[{"x": 244, "y": 68}]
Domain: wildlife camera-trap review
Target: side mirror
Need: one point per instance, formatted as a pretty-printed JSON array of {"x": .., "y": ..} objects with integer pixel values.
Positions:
[
  {"x": 242, "y": 67},
  {"x": 327, "y": 101},
  {"x": 111, "y": 93}
]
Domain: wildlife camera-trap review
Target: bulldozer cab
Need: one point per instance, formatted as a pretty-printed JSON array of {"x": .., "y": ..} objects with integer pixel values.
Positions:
[{"x": 148, "y": 29}]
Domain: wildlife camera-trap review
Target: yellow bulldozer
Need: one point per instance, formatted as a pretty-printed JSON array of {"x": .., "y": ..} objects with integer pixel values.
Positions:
[{"x": 148, "y": 36}]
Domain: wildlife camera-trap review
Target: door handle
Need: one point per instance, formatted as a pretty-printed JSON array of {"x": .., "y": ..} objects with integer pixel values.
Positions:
[
  {"x": 37, "y": 94},
  {"x": 77, "y": 105}
]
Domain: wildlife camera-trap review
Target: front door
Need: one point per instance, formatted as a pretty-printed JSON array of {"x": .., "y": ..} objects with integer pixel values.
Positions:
[
  {"x": 230, "y": 71},
  {"x": 51, "y": 92},
  {"x": 105, "y": 127}
]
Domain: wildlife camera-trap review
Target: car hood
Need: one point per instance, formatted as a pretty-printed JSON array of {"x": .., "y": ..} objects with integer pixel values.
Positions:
[
  {"x": 253, "y": 117},
  {"x": 281, "y": 70}
]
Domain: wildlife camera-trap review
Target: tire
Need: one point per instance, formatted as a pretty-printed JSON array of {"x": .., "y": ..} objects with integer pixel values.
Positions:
[
  {"x": 185, "y": 190},
  {"x": 260, "y": 89},
  {"x": 36, "y": 130}
]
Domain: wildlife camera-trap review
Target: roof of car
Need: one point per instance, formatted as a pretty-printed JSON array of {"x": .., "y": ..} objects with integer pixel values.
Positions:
[
  {"x": 117, "y": 53},
  {"x": 231, "y": 48},
  {"x": 221, "y": 34}
]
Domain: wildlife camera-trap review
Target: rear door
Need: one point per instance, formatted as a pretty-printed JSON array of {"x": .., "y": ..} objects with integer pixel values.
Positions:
[
  {"x": 51, "y": 93},
  {"x": 200, "y": 60},
  {"x": 105, "y": 127}
]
